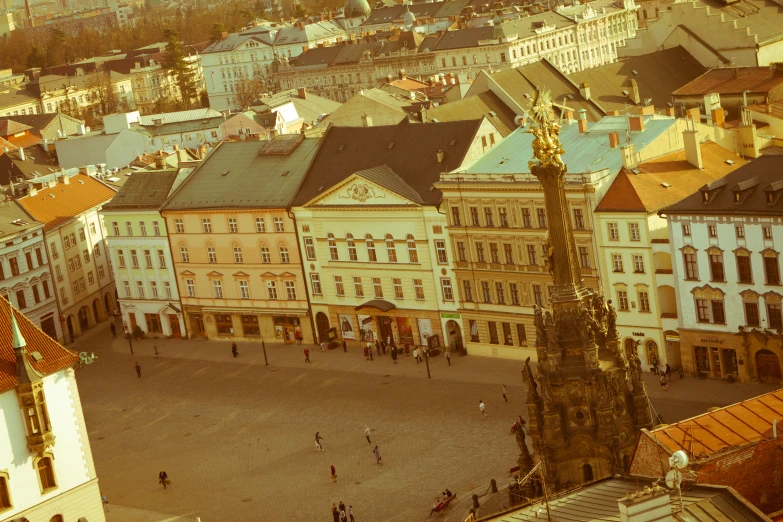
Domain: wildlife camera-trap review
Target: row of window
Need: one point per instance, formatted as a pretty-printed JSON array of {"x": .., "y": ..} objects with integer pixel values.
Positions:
[
  {"x": 739, "y": 231},
  {"x": 506, "y": 330},
  {"x": 485, "y": 217},
  {"x": 21, "y": 295},
  {"x": 613, "y": 230},
  {"x": 527, "y": 253},
  {"x": 44, "y": 468},
  {"x": 636, "y": 259},
  {"x": 154, "y": 292},
  {"x": 713, "y": 311},
  {"x": 70, "y": 240},
  {"x": 147, "y": 258},
  {"x": 80, "y": 284},
  {"x": 243, "y": 287},
  {"x": 500, "y": 292},
  {"x": 642, "y": 297},
  {"x": 129, "y": 228},
  {"x": 232, "y": 225},
  {"x": 744, "y": 267},
  {"x": 13, "y": 263},
  {"x": 372, "y": 254},
  {"x": 398, "y": 291},
  {"x": 238, "y": 257}
]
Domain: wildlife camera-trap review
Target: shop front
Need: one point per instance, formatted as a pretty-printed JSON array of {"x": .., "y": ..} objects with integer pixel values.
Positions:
[
  {"x": 380, "y": 320},
  {"x": 256, "y": 325},
  {"x": 154, "y": 319},
  {"x": 748, "y": 356}
]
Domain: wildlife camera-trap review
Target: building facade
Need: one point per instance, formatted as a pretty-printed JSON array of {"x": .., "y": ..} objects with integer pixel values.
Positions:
[
  {"x": 76, "y": 248},
  {"x": 137, "y": 242},
  {"x": 24, "y": 267},
  {"x": 47, "y": 466},
  {"x": 725, "y": 248},
  {"x": 234, "y": 244}
]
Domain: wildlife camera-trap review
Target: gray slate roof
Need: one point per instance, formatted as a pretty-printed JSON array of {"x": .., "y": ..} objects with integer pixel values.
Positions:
[
  {"x": 235, "y": 175},
  {"x": 13, "y": 211},
  {"x": 386, "y": 177},
  {"x": 143, "y": 190},
  {"x": 407, "y": 149}
]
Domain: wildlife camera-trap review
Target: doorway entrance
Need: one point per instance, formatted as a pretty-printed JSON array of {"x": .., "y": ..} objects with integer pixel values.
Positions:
[
  {"x": 322, "y": 325},
  {"x": 768, "y": 366},
  {"x": 454, "y": 333},
  {"x": 385, "y": 329},
  {"x": 174, "y": 324},
  {"x": 83, "y": 321}
]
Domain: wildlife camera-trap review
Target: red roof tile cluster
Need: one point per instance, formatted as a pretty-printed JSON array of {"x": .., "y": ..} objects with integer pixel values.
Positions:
[
  {"x": 54, "y": 357},
  {"x": 735, "y": 80},
  {"x": 56, "y": 205}
]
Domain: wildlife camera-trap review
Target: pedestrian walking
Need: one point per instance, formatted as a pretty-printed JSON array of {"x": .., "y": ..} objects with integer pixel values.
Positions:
[
  {"x": 341, "y": 507},
  {"x": 366, "y": 353},
  {"x": 343, "y": 516},
  {"x": 448, "y": 355},
  {"x": 104, "y": 501},
  {"x": 318, "y": 439},
  {"x": 483, "y": 409},
  {"x": 504, "y": 393},
  {"x": 383, "y": 347},
  {"x": 307, "y": 355},
  {"x": 333, "y": 471},
  {"x": 378, "y": 347},
  {"x": 138, "y": 370},
  {"x": 350, "y": 512},
  {"x": 377, "y": 454},
  {"x": 406, "y": 348},
  {"x": 394, "y": 354},
  {"x": 234, "y": 351},
  {"x": 113, "y": 330},
  {"x": 116, "y": 315},
  {"x": 521, "y": 422},
  {"x": 298, "y": 337},
  {"x": 335, "y": 513},
  {"x": 664, "y": 383},
  {"x": 367, "y": 434},
  {"x": 345, "y": 346},
  {"x": 163, "y": 478},
  {"x": 416, "y": 355},
  {"x": 668, "y": 372}
]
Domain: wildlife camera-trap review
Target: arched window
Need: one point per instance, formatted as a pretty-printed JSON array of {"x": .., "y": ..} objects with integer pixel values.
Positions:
[
  {"x": 368, "y": 240},
  {"x": 413, "y": 254},
  {"x": 333, "y": 255},
  {"x": 56, "y": 518},
  {"x": 5, "y": 495},
  {"x": 45, "y": 469},
  {"x": 351, "y": 247},
  {"x": 390, "y": 250},
  {"x": 587, "y": 473}
]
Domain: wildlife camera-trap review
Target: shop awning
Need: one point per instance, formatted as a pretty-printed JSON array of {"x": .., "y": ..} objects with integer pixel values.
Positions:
[{"x": 380, "y": 304}]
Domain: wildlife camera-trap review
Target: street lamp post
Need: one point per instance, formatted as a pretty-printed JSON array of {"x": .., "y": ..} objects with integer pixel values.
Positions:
[
  {"x": 130, "y": 340},
  {"x": 427, "y": 362},
  {"x": 263, "y": 345}
]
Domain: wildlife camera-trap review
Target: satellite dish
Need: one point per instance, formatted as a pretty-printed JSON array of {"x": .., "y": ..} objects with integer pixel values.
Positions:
[
  {"x": 679, "y": 460},
  {"x": 673, "y": 479}
]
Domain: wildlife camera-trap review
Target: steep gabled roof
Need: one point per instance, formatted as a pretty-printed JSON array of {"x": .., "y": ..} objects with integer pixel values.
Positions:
[
  {"x": 408, "y": 149},
  {"x": 56, "y": 205},
  {"x": 143, "y": 190},
  {"x": 9, "y": 127},
  {"x": 387, "y": 178},
  {"x": 484, "y": 105}
]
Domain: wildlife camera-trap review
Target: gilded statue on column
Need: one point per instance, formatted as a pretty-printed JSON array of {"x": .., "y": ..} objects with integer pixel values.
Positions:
[{"x": 545, "y": 130}]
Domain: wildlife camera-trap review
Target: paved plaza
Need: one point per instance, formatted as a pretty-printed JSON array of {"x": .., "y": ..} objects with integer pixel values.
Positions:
[{"x": 237, "y": 437}]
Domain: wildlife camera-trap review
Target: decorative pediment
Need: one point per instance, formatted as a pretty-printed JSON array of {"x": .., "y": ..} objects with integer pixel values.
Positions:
[
  {"x": 214, "y": 274},
  {"x": 287, "y": 275},
  {"x": 707, "y": 292},
  {"x": 358, "y": 190},
  {"x": 240, "y": 274},
  {"x": 714, "y": 251},
  {"x": 688, "y": 249},
  {"x": 749, "y": 295},
  {"x": 771, "y": 297},
  {"x": 741, "y": 251},
  {"x": 268, "y": 275},
  {"x": 768, "y": 252},
  {"x": 187, "y": 273}
]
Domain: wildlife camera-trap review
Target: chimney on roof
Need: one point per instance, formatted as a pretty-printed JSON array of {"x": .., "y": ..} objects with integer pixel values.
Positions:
[
  {"x": 21, "y": 153},
  {"x": 366, "y": 120},
  {"x": 669, "y": 111},
  {"x": 769, "y": 108},
  {"x": 636, "y": 123},
  {"x": 584, "y": 90},
  {"x": 302, "y": 92},
  {"x": 439, "y": 155},
  {"x": 66, "y": 179},
  {"x": 569, "y": 117},
  {"x": 629, "y": 156},
  {"x": 692, "y": 148},
  {"x": 160, "y": 162},
  {"x": 582, "y": 126},
  {"x": 647, "y": 110},
  {"x": 718, "y": 117},
  {"x": 401, "y": 74},
  {"x": 693, "y": 114},
  {"x": 614, "y": 139},
  {"x": 612, "y": 113},
  {"x": 648, "y": 505},
  {"x": 634, "y": 95},
  {"x": 176, "y": 147}
]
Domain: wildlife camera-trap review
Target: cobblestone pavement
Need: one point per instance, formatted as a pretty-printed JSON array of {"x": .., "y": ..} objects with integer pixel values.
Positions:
[{"x": 236, "y": 436}]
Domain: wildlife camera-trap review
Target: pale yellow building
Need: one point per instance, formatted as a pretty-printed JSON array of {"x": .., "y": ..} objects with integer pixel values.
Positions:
[
  {"x": 372, "y": 237},
  {"x": 234, "y": 243},
  {"x": 76, "y": 248}
]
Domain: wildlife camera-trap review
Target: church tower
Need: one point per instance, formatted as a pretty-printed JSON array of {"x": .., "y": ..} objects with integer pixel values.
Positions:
[{"x": 586, "y": 403}]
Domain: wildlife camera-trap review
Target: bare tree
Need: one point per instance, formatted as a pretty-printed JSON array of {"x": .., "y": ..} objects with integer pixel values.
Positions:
[
  {"x": 102, "y": 94},
  {"x": 248, "y": 90}
]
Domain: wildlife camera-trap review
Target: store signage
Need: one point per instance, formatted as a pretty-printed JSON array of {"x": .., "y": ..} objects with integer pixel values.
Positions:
[
  {"x": 638, "y": 334},
  {"x": 129, "y": 306},
  {"x": 449, "y": 316},
  {"x": 714, "y": 340}
]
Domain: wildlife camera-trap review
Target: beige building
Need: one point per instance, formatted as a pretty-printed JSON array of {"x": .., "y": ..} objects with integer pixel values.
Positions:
[
  {"x": 76, "y": 248},
  {"x": 234, "y": 243},
  {"x": 373, "y": 240}
]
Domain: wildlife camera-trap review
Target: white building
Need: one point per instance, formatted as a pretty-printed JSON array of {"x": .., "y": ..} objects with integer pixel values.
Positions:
[
  {"x": 726, "y": 240},
  {"x": 633, "y": 243},
  {"x": 25, "y": 277},
  {"x": 46, "y": 466},
  {"x": 141, "y": 258},
  {"x": 249, "y": 54}
]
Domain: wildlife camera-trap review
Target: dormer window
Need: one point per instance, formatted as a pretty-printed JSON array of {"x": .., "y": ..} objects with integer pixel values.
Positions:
[
  {"x": 711, "y": 190},
  {"x": 773, "y": 192},
  {"x": 743, "y": 189}
]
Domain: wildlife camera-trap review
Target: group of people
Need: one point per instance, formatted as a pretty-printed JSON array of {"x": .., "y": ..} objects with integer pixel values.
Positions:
[
  {"x": 666, "y": 376},
  {"x": 439, "y": 502},
  {"x": 341, "y": 513}
]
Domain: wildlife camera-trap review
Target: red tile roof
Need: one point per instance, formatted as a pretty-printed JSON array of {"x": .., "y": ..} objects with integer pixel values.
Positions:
[
  {"x": 733, "y": 80},
  {"x": 56, "y": 205},
  {"x": 53, "y": 356},
  {"x": 731, "y": 427}
]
